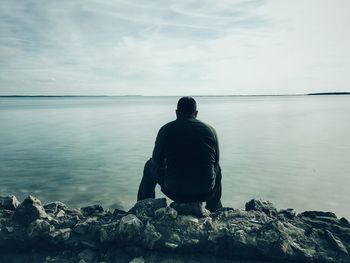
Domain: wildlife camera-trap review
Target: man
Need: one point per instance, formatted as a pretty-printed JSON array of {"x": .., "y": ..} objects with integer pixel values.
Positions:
[{"x": 185, "y": 160}]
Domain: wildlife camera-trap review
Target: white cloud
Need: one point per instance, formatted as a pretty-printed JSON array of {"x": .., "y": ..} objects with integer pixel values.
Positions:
[{"x": 172, "y": 47}]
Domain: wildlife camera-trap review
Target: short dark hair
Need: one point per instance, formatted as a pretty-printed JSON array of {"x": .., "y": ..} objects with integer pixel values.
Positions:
[{"x": 186, "y": 105}]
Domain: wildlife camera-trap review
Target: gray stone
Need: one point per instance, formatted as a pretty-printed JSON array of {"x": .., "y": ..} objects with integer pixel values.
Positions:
[
  {"x": 262, "y": 206},
  {"x": 314, "y": 214},
  {"x": 107, "y": 232},
  {"x": 91, "y": 210},
  {"x": 253, "y": 234},
  {"x": 54, "y": 207},
  {"x": 30, "y": 210},
  {"x": 194, "y": 209},
  {"x": 6, "y": 213},
  {"x": 175, "y": 238},
  {"x": 130, "y": 227},
  {"x": 344, "y": 221},
  {"x": 166, "y": 213},
  {"x": 170, "y": 245},
  {"x": 88, "y": 255},
  {"x": 118, "y": 212},
  {"x": 146, "y": 208},
  {"x": 83, "y": 226},
  {"x": 39, "y": 227},
  {"x": 287, "y": 213},
  {"x": 151, "y": 236},
  {"x": 9, "y": 202},
  {"x": 9, "y": 229},
  {"x": 336, "y": 243},
  {"x": 60, "y": 235},
  {"x": 137, "y": 260}
]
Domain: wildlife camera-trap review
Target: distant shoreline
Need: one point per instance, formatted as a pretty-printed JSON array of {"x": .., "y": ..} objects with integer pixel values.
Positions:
[
  {"x": 145, "y": 96},
  {"x": 137, "y": 96},
  {"x": 330, "y": 93}
]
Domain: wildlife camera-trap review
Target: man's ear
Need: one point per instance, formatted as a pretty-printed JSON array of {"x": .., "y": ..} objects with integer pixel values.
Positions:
[
  {"x": 177, "y": 113},
  {"x": 195, "y": 114}
]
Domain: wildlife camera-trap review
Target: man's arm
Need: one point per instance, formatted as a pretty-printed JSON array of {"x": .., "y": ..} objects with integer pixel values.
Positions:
[
  {"x": 217, "y": 150},
  {"x": 158, "y": 151}
]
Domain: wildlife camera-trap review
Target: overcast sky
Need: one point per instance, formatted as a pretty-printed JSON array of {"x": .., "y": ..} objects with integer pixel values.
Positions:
[{"x": 182, "y": 47}]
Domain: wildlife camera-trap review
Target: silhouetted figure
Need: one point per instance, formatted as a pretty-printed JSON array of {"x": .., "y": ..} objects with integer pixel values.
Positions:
[{"x": 185, "y": 160}]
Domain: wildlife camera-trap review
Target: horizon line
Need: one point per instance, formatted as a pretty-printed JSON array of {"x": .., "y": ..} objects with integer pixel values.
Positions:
[{"x": 207, "y": 95}]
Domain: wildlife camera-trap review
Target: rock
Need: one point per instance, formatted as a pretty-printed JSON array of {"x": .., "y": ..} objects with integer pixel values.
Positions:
[
  {"x": 91, "y": 210},
  {"x": 9, "y": 202},
  {"x": 60, "y": 235},
  {"x": 100, "y": 236},
  {"x": 137, "y": 260},
  {"x": 54, "y": 207},
  {"x": 151, "y": 236},
  {"x": 107, "y": 232},
  {"x": 344, "y": 221},
  {"x": 195, "y": 209},
  {"x": 170, "y": 245},
  {"x": 262, "y": 206},
  {"x": 314, "y": 214},
  {"x": 175, "y": 238},
  {"x": 30, "y": 210},
  {"x": 145, "y": 209},
  {"x": 39, "y": 227},
  {"x": 61, "y": 213},
  {"x": 165, "y": 213},
  {"x": 6, "y": 213},
  {"x": 118, "y": 212},
  {"x": 9, "y": 229},
  {"x": 130, "y": 227},
  {"x": 288, "y": 213},
  {"x": 187, "y": 219},
  {"x": 88, "y": 255},
  {"x": 336, "y": 243},
  {"x": 83, "y": 226}
]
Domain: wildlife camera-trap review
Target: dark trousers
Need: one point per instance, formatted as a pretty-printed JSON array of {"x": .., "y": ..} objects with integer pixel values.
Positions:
[{"x": 150, "y": 180}]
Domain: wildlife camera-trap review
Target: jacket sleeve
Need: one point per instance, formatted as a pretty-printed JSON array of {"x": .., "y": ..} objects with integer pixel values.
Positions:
[
  {"x": 158, "y": 151},
  {"x": 217, "y": 150}
]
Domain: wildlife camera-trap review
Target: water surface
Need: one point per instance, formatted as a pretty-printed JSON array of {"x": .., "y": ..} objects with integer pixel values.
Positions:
[{"x": 291, "y": 150}]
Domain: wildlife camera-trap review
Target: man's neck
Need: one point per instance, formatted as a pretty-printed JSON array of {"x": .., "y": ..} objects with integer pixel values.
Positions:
[{"x": 186, "y": 116}]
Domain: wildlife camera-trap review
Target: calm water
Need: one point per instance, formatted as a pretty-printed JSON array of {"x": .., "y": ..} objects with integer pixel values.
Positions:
[{"x": 293, "y": 151}]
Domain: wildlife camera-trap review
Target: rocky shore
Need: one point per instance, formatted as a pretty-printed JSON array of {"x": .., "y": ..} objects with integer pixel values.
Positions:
[{"x": 153, "y": 231}]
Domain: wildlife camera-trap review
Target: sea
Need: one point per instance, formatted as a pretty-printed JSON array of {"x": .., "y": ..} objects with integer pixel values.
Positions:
[{"x": 291, "y": 150}]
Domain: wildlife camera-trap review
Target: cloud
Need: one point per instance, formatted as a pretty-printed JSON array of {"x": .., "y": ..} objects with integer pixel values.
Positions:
[{"x": 171, "y": 47}]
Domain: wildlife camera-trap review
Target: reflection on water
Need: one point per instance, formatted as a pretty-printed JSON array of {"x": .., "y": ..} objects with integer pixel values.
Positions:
[{"x": 293, "y": 151}]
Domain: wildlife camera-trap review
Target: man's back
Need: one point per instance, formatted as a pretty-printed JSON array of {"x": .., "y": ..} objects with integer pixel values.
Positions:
[
  {"x": 185, "y": 160},
  {"x": 188, "y": 150}
]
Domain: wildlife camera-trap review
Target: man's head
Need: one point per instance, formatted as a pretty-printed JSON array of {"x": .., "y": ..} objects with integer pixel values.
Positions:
[{"x": 186, "y": 106}]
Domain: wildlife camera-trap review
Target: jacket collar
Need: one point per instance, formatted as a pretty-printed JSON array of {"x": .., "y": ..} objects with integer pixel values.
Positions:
[{"x": 186, "y": 116}]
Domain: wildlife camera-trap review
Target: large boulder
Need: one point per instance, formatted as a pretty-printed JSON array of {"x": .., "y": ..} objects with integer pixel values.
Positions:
[{"x": 30, "y": 210}]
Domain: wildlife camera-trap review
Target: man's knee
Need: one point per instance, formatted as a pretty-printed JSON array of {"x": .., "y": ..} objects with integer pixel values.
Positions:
[
  {"x": 148, "y": 165},
  {"x": 150, "y": 171}
]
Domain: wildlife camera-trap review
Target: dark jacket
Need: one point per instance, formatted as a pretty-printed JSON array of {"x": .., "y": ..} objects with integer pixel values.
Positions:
[{"x": 186, "y": 156}]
